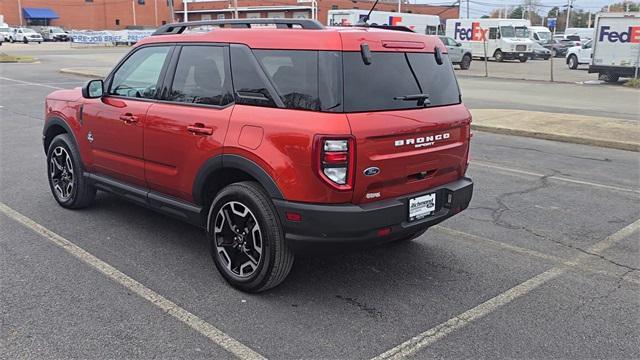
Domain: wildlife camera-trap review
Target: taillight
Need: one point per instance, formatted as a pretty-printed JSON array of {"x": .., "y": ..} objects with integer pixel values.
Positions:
[{"x": 336, "y": 161}]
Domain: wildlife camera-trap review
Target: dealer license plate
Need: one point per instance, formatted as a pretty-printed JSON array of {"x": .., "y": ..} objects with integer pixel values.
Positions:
[{"x": 422, "y": 206}]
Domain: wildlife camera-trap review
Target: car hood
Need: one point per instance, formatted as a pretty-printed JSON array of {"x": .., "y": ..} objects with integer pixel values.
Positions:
[{"x": 66, "y": 94}]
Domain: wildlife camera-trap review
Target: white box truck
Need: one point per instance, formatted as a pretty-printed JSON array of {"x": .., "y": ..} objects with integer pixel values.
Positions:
[
  {"x": 616, "y": 47},
  {"x": 422, "y": 24},
  {"x": 506, "y": 38}
]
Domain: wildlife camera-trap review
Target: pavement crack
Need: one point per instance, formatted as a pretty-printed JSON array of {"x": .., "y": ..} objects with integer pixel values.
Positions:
[{"x": 369, "y": 310}]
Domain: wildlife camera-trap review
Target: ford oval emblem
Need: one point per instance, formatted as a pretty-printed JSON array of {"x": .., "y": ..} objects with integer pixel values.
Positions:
[{"x": 372, "y": 171}]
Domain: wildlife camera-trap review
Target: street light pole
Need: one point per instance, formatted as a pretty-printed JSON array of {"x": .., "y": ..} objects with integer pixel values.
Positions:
[
  {"x": 235, "y": 9},
  {"x": 185, "y": 16},
  {"x": 569, "y": 6},
  {"x": 20, "y": 11}
]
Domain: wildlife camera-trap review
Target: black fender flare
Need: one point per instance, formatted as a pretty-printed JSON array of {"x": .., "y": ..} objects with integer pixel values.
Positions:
[
  {"x": 231, "y": 161},
  {"x": 56, "y": 121}
]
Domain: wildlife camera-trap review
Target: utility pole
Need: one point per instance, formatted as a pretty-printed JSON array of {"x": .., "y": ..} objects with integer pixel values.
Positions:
[
  {"x": 235, "y": 9},
  {"x": 467, "y": 9},
  {"x": 569, "y": 6},
  {"x": 20, "y": 11},
  {"x": 185, "y": 17},
  {"x": 589, "y": 20},
  {"x": 399, "y": 6},
  {"x": 133, "y": 9},
  {"x": 155, "y": 10},
  {"x": 173, "y": 16}
]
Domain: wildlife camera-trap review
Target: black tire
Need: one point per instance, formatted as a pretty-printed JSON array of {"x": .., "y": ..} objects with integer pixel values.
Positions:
[
  {"x": 523, "y": 59},
  {"x": 572, "y": 61},
  {"x": 465, "y": 63},
  {"x": 275, "y": 256},
  {"x": 24, "y": 40},
  {"x": 609, "y": 77},
  {"x": 499, "y": 56},
  {"x": 554, "y": 53},
  {"x": 82, "y": 193},
  {"x": 547, "y": 57}
]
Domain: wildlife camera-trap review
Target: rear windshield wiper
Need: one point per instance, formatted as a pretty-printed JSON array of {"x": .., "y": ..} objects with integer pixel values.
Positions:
[{"x": 422, "y": 99}]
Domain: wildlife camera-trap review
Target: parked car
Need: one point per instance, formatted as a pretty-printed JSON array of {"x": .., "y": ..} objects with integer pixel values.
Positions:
[
  {"x": 270, "y": 139},
  {"x": 5, "y": 33},
  {"x": 574, "y": 40},
  {"x": 26, "y": 35},
  {"x": 52, "y": 33},
  {"x": 579, "y": 55},
  {"x": 540, "y": 52},
  {"x": 458, "y": 54},
  {"x": 558, "y": 48}
]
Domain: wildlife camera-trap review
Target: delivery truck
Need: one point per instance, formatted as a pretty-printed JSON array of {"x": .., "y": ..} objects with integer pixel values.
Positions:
[
  {"x": 616, "y": 47},
  {"x": 506, "y": 39},
  {"x": 421, "y": 24}
]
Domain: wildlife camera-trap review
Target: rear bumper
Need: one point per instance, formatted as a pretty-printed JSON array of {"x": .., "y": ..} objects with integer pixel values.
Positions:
[
  {"x": 517, "y": 54},
  {"x": 361, "y": 223},
  {"x": 622, "y": 71}
]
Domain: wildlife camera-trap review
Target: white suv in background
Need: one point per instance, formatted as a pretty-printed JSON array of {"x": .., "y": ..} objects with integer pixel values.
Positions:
[
  {"x": 577, "y": 55},
  {"x": 26, "y": 35}
]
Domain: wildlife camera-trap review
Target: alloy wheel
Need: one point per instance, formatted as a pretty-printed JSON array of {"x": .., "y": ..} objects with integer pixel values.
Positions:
[
  {"x": 61, "y": 173},
  {"x": 238, "y": 239}
]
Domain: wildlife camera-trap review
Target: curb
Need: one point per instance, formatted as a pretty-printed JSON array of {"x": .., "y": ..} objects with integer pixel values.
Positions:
[
  {"x": 619, "y": 145},
  {"x": 85, "y": 73}
]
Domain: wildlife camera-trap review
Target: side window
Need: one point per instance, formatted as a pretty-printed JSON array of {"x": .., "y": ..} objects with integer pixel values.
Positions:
[
  {"x": 493, "y": 33},
  {"x": 295, "y": 76},
  {"x": 138, "y": 76},
  {"x": 202, "y": 76},
  {"x": 249, "y": 82}
]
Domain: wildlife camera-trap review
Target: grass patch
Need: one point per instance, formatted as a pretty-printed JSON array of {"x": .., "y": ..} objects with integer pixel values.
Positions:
[
  {"x": 634, "y": 83},
  {"x": 4, "y": 58}
]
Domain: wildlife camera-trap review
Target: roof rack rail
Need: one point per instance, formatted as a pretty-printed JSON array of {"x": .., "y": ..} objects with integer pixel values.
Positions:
[
  {"x": 390, "y": 27},
  {"x": 179, "y": 28}
]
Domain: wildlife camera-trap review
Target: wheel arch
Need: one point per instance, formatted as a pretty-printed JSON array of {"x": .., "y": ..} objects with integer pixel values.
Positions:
[
  {"x": 54, "y": 127},
  {"x": 225, "y": 169}
]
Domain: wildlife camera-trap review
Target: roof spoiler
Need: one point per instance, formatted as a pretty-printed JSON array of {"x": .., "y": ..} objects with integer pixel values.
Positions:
[{"x": 179, "y": 28}]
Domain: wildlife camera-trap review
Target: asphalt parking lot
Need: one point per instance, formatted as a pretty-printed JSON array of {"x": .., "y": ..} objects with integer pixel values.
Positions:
[{"x": 544, "y": 263}]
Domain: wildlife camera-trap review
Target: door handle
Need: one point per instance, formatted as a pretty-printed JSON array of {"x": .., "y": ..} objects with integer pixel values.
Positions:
[
  {"x": 129, "y": 118},
  {"x": 199, "y": 129}
]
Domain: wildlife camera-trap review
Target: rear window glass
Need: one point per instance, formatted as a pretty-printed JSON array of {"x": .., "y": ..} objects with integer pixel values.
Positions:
[
  {"x": 306, "y": 80},
  {"x": 390, "y": 75}
]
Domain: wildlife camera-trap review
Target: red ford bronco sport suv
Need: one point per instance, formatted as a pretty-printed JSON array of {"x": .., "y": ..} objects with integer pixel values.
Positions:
[{"x": 269, "y": 137}]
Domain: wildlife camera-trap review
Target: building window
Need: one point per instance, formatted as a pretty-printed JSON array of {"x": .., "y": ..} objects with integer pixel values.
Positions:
[
  {"x": 140, "y": 2},
  {"x": 205, "y": 17},
  {"x": 117, "y": 22},
  {"x": 221, "y": 17},
  {"x": 88, "y": 0},
  {"x": 334, "y": 7}
]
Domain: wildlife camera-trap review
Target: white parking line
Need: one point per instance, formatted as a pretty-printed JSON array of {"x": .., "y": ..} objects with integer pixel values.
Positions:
[
  {"x": 427, "y": 338},
  {"x": 553, "y": 177},
  {"x": 218, "y": 337},
  {"x": 30, "y": 83}
]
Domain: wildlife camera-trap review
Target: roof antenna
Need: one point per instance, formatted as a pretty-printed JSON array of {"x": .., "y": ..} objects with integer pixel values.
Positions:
[{"x": 365, "y": 19}]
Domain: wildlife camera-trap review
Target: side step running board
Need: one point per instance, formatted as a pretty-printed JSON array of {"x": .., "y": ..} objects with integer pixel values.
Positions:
[{"x": 182, "y": 210}]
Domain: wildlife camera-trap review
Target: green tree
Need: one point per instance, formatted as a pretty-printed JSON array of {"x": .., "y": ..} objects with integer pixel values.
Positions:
[
  {"x": 516, "y": 13},
  {"x": 622, "y": 6}
]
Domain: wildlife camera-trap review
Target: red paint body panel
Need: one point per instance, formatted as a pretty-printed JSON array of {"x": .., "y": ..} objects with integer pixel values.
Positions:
[
  {"x": 174, "y": 155},
  {"x": 376, "y": 134},
  {"x": 286, "y": 149}
]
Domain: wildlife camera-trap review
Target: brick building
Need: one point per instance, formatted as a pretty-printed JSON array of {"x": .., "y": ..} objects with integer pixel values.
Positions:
[
  {"x": 120, "y": 14},
  {"x": 222, "y": 9},
  {"x": 86, "y": 14}
]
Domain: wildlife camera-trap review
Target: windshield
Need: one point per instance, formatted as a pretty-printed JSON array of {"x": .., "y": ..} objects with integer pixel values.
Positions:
[
  {"x": 29, "y": 31},
  {"x": 543, "y": 35},
  {"x": 522, "y": 32},
  {"x": 507, "y": 31},
  {"x": 393, "y": 75},
  {"x": 4, "y": 30},
  {"x": 57, "y": 30}
]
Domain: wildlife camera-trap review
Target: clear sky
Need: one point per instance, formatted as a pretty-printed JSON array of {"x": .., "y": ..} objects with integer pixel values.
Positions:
[{"x": 478, "y": 8}]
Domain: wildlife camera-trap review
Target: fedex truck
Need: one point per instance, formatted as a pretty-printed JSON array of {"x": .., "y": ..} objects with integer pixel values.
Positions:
[
  {"x": 616, "y": 46},
  {"x": 506, "y": 39},
  {"x": 422, "y": 24}
]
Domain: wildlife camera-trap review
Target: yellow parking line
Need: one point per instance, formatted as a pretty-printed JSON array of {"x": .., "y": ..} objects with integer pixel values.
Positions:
[
  {"x": 218, "y": 337},
  {"x": 427, "y": 338}
]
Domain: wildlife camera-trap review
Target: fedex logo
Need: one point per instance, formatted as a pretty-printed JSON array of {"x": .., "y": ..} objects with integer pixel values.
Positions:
[
  {"x": 632, "y": 35},
  {"x": 476, "y": 33},
  {"x": 395, "y": 20}
]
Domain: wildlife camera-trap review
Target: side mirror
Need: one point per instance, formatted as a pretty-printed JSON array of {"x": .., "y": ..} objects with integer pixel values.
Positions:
[
  {"x": 458, "y": 44},
  {"x": 93, "y": 89}
]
